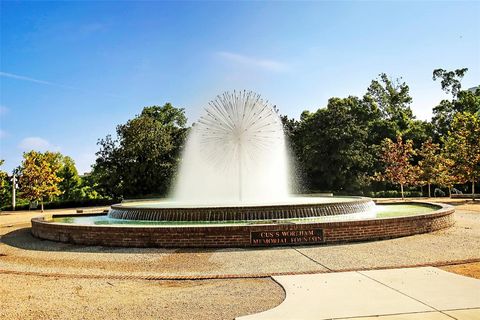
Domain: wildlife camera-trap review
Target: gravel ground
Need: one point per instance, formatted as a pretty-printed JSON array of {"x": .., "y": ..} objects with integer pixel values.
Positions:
[
  {"x": 33, "y": 297},
  {"x": 460, "y": 242},
  {"x": 20, "y": 251},
  {"x": 47, "y": 280}
]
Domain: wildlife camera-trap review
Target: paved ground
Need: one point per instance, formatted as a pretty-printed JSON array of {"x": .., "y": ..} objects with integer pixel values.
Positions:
[
  {"x": 404, "y": 293},
  {"x": 21, "y": 252},
  {"x": 28, "y": 264}
]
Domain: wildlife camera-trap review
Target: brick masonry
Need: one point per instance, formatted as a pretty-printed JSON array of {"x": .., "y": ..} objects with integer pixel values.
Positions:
[{"x": 240, "y": 236}]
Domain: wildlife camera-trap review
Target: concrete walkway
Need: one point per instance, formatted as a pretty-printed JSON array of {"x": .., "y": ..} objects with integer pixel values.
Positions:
[{"x": 411, "y": 293}]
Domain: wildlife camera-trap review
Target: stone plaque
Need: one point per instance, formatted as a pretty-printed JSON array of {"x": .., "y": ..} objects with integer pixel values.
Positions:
[{"x": 286, "y": 237}]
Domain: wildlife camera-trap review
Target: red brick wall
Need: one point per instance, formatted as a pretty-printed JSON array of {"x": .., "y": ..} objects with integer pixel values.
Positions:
[{"x": 238, "y": 236}]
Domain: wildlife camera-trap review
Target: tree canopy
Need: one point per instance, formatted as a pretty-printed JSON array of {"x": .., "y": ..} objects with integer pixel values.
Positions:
[
  {"x": 69, "y": 175},
  {"x": 38, "y": 176},
  {"x": 463, "y": 147},
  {"x": 143, "y": 157},
  {"x": 340, "y": 148},
  {"x": 397, "y": 160}
]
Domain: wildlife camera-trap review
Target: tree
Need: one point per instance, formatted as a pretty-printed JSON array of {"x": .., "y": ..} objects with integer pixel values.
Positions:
[
  {"x": 392, "y": 100},
  {"x": 451, "y": 80},
  {"x": 462, "y": 100},
  {"x": 388, "y": 101},
  {"x": 38, "y": 176},
  {"x": 70, "y": 179},
  {"x": 330, "y": 145},
  {"x": 445, "y": 173},
  {"x": 142, "y": 159},
  {"x": 5, "y": 186},
  {"x": 397, "y": 159},
  {"x": 429, "y": 163},
  {"x": 463, "y": 147}
]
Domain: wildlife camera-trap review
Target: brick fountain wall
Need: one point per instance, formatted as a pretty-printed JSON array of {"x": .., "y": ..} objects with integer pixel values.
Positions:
[{"x": 245, "y": 235}]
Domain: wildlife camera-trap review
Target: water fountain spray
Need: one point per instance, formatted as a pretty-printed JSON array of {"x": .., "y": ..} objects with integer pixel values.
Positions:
[
  {"x": 238, "y": 129},
  {"x": 235, "y": 152}
]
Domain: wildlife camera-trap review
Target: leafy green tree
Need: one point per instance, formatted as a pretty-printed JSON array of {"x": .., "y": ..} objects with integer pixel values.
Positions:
[
  {"x": 330, "y": 145},
  {"x": 88, "y": 188},
  {"x": 429, "y": 164},
  {"x": 462, "y": 100},
  {"x": 38, "y": 176},
  {"x": 397, "y": 159},
  {"x": 445, "y": 172},
  {"x": 338, "y": 146},
  {"x": 463, "y": 147},
  {"x": 392, "y": 100},
  {"x": 70, "y": 179},
  {"x": 451, "y": 80},
  {"x": 142, "y": 159},
  {"x": 5, "y": 186},
  {"x": 291, "y": 129},
  {"x": 388, "y": 101}
]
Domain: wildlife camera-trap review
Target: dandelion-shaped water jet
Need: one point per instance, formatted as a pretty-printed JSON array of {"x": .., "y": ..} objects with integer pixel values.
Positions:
[
  {"x": 238, "y": 129},
  {"x": 235, "y": 152}
]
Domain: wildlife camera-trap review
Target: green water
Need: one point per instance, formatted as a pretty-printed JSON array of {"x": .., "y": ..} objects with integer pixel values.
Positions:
[
  {"x": 402, "y": 210},
  {"x": 381, "y": 211}
]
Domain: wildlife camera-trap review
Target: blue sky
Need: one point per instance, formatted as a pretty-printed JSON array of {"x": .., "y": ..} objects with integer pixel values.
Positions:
[{"x": 72, "y": 71}]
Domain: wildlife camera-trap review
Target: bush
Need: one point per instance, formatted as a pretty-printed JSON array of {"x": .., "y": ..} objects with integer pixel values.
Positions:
[
  {"x": 393, "y": 194},
  {"x": 439, "y": 193}
]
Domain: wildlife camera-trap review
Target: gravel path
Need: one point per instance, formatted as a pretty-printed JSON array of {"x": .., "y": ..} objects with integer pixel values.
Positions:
[{"x": 33, "y": 297}]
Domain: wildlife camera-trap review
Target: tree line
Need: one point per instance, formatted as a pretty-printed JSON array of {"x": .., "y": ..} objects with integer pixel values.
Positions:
[
  {"x": 365, "y": 144},
  {"x": 355, "y": 145}
]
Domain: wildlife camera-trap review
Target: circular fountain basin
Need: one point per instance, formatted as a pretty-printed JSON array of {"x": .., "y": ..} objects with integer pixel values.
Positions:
[
  {"x": 291, "y": 207},
  {"x": 385, "y": 221}
]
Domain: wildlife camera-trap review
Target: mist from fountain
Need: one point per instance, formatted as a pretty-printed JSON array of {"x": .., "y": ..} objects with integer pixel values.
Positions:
[{"x": 235, "y": 153}]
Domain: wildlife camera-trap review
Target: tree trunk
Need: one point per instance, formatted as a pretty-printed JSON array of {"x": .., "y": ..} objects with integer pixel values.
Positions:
[
  {"x": 429, "y": 195},
  {"x": 42, "y": 205},
  {"x": 473, "y": 189},
  {"x": 401, "y": 188},
  {"x": 450, "y": 192}
]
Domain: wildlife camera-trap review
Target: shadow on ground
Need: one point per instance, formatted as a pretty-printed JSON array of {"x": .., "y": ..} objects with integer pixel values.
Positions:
[{"x": 22, "y": 238}]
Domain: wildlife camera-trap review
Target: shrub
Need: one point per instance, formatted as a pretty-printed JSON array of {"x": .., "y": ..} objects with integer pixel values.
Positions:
[
  {"x": 439, "y": 193},
  {"x": 394, "y": 194}
]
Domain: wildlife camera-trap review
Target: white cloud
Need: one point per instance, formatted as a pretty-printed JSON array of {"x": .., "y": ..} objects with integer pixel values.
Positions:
[
  {"x": 48, "y": 83},
  {"x": 37, "y": 144},
  {"x": 19, "y": 77},
  {"x": 266, "y": 64}
]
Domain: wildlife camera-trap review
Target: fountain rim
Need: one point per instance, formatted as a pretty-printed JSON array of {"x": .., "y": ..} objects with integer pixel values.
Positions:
[
  {"x": 265, "y": 205},
  {"x": 307, "y": 209},
  {"x": 440, "y": 210},
  {"x": 221, "y": 236}
]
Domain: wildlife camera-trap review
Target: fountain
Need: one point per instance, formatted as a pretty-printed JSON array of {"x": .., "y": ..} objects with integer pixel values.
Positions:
[
  {"x": 233, "y": 189},
  {"x": 235, "y": 167}
]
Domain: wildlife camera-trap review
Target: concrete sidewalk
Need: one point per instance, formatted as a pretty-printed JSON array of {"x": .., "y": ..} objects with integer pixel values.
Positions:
[{"x": 411, "y": 293}]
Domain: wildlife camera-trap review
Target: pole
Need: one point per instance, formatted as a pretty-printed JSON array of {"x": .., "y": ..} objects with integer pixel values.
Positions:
[{"x": 14, "y": 186}]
